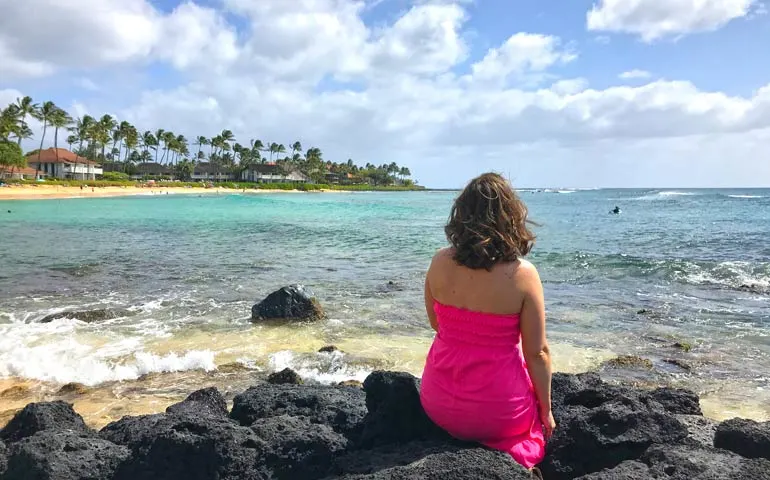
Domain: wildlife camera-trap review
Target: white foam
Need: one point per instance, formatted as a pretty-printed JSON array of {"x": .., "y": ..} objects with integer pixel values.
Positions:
[
  {"x": 746, "y": 196},
  {"x": 673, "y": 194},
  {"x": 328, "y": 368},
  {"x": 54, "y": 353},
  {"x": 730, "y": 274}
]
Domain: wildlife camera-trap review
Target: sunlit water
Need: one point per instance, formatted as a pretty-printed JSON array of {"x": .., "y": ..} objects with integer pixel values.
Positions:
[{"x": 189, "y": 268}]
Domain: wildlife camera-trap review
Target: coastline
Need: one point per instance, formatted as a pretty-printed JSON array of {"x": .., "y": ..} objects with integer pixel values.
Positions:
[{"x": 45, "y": 192}]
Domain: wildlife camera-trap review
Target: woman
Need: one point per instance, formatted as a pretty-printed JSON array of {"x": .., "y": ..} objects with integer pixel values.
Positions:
[{"x": 487, "y": 377}]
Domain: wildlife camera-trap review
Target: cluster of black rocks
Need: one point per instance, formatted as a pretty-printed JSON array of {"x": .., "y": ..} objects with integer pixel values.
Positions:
[{"x": 380, "y": 432}]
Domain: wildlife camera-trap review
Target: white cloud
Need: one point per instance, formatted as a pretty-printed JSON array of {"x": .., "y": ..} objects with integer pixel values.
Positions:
[
  {"x": 39, "y": 37},
  {"x": 314, "y": 71},
  {"x": 634, "y": 74},
  {"x": 521, "y": 53},
  {"x": 656, "y": 19}
]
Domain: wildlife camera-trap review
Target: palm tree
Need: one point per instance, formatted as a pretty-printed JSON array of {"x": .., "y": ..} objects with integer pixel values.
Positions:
[
  {"x": 132, "y": 141},
  {"x": 119, "y": 136},
  {"x": 59, "y": 119},
  {"x": 158, "y": 137},
  {"x": 104, "y": 131},
  {"x": 296, "y": 147},
  {"x": 168, "y": 138},
  {"x": 10, "y": 123},
  {"x": 71, "y": 140},
  {"x": 181, "y": 148},
  {"x": 82, "y": 130},
  {"x": 279, "y": 150},
  {"x": 273, "y": 148},
  {"x": 227, "y": 136},
  {"x": 43, "y": 114},
  {"x": 200, "y": 142},
  {"x": 149, "y": 142},
  {"x": 25, "y": 107}
]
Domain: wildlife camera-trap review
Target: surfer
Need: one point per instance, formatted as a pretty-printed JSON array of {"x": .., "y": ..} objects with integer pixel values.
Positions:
[{"x": 615, "y": 211}]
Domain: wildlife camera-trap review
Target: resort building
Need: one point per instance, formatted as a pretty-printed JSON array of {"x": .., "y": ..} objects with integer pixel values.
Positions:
[
  {"x": 272, "y": 173},
  {"x": 16, "y": 173},
  {"x": 62, "y": 164},
  {"x": 207, "y": 171},
  {"x": 151, "y": 169}
]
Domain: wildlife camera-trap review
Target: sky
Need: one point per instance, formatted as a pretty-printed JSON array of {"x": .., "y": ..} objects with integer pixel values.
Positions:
[{"x": 552, "y": 93}]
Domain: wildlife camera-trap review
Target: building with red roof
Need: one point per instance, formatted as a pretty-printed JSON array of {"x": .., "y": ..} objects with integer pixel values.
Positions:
[{"x": 63, "y": 164}]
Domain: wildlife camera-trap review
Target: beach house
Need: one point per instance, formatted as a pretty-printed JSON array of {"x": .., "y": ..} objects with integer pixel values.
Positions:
[
  {"x": 207, "y": 171},
  {"x": 16, "y": 173},
  {"x": 272, "y": 173},
  {"x": 151, "y": 169},
  {"x": 62, "y": 164}
]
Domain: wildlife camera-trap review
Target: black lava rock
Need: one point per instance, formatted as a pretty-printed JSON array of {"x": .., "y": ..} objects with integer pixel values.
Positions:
[
  {"x": 676, "y": 400},
  {"x": 686, "y": 462},
  {"x": 50, "y": 455},
  {"x": 170, "y": 446},
  {"x": 745, "y": 437},
  {"x": 88, "y": 316},
  {"x": 294, "y": 302},
  {"x": 341, "y": 408},
  {"x": 207, "y": 401},
  {"x": 297, "y": 449},
  {"x": 37, "y": 417},
  {"x": 452, "y": 463},
  {"x": 597, "y": 438},
  {"x": 395, "y": 413},
  {"x": 287, "y": 376}
]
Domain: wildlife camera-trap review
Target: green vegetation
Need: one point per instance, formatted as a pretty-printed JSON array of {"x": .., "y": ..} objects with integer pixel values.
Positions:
[
  {"x": 120, "y": 146},
  {"x": 11, "y": 156}
]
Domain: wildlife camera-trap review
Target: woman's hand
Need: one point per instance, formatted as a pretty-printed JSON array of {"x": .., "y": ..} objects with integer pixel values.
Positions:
[{"x": 549, "y": 424}]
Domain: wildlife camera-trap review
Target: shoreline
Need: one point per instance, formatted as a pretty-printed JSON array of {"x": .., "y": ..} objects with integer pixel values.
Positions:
[{"x": 58, "y": 192}]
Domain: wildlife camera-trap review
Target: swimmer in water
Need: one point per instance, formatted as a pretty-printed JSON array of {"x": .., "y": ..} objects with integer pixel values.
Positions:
[{"x": 615, "y": 210}]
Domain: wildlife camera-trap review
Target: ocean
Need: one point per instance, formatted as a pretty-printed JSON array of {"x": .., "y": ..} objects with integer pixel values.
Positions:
[{"x": 180, "y": 273}]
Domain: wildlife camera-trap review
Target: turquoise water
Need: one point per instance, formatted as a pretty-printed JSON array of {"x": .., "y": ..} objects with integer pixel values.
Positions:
[{"x": 189, "y": 268}]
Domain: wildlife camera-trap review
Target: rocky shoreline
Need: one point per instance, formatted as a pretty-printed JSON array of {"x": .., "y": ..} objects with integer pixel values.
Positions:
[{"x": 380, "y": 432}]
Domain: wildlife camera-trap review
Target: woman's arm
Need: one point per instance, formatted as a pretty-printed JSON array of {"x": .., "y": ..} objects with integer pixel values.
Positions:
[
  {"x": 429, "y": 305},
  {"x": 534, "y": 344}
]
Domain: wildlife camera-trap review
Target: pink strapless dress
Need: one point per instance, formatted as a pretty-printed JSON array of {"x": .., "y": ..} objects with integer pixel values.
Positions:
[{"x": 476, "y": 385}]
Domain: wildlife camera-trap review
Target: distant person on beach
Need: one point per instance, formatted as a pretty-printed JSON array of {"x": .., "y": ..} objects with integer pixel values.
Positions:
[{"x": 487, "y": 377}]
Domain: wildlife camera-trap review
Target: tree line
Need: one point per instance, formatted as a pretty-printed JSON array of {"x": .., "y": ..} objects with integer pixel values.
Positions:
[{"x": 121, "y": 144}]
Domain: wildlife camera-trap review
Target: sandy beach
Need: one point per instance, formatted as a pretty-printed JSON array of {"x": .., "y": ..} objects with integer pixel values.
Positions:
[{"x": 41, "y": 192}]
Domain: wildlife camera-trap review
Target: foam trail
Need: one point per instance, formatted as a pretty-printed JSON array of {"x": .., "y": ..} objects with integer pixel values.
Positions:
[{"x": 328, "y": 368}]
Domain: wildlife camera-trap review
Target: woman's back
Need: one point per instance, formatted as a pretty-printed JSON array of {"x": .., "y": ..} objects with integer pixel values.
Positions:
[{"x": 494, "y": 291}]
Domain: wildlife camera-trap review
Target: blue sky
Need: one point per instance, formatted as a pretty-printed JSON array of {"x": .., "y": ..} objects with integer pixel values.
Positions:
[{"x": 627, "y": 93}]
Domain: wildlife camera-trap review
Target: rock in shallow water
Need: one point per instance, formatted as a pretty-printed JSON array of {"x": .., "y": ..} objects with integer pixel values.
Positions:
[
  {"x": 287, "y": 376},
  {"x": 745, "y": 437},
  {"x": 294, "y": 302},
  {"x": 89, "y": 316}
]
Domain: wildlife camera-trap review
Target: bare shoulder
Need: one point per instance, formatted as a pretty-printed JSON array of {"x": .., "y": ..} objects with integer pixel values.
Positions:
[
  {"x": 526, "y": 272},
  {"x": 443, "y": 256}
]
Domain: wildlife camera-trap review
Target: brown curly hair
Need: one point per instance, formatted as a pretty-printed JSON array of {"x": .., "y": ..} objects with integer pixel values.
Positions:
[{"x": 488, "y": 224}]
